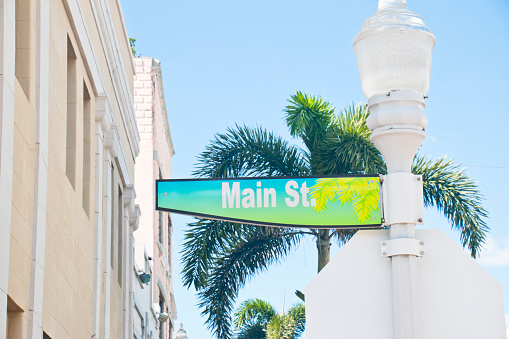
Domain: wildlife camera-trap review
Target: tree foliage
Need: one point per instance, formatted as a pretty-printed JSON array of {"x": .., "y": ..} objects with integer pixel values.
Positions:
[
  {"x": 452, "y": 192},
  {"x": 132, "y": 43},
  {"x": 257, "y": 319}
]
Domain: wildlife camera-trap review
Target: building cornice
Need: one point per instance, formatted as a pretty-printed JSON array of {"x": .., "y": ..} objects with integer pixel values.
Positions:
[
  {"x": 110, "y": 45},
  {"x": 159, "y": 77},
  {"x": 125, "y": 36},
  {"x": 79, "y": 28}
]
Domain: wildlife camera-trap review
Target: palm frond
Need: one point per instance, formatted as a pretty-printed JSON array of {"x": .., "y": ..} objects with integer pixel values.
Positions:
[
  {"x": 244, "y": 151},
  {"x": 298, "y": 313},
  {"x": 343, "y": 235},
  {"x": 353, "y": 118},
  {"x": 257, "y": 331},
  {"x": 324, "y": 191},
  {"x": 230, "y": 272},
  {"x": 253, "y": 311},
  {"x": 457, "y": 196},
  {"x": 308, "y": 117},
  {"x": 203, "y": 241},
  {"x": 365, "y": 204},
  {"x": 348, "y": 148},
  {"x": 361, "y": 192},
  {"x": 281, "y": 327}
]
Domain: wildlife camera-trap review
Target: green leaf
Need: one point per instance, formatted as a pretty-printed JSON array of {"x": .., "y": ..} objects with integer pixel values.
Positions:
[
  {"x": 324, "y": 191},
  {"x": 253, "y": 311},
  {"x": 308, "y": 117},
  {"x": 365, "y": 204},
  {"x": 363, "y": 193}
]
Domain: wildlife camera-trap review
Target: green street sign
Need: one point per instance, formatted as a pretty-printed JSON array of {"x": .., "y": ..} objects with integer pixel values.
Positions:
[{"x": 311, "y": 202}]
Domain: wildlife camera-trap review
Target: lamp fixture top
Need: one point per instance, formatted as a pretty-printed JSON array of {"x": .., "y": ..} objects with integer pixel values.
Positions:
[{"x": 392, "y": 15}]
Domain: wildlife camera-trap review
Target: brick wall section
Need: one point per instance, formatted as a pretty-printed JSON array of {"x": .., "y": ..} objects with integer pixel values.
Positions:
[{"x": 143, "y": 97}]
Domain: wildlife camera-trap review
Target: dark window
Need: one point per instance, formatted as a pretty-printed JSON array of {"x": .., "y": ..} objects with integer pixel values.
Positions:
[
  {"x": 169, "y": 240},
  {"x": 87, "y": 144},
  {"x": 161, "y": 224},
  {"x": 24, "y": 66},
  {"x": 162, "y": 326},
  {"x": 120, "y": 234},
  {"x": 70, "y": 159},
  {"x": 112, "y": 212},
  {"x": 14, "y": 319}
]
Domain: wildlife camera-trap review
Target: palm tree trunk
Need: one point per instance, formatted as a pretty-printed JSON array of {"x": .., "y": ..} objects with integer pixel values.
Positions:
[{"x": 323, "y": 246}]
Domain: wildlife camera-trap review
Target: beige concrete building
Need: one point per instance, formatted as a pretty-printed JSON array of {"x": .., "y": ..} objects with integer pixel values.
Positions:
[
  {"x": 155, "y": 231},
  {"x": 68, "y": 140}
]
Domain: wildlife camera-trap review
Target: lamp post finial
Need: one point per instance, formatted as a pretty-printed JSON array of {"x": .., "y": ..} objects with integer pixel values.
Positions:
[{"x": 391, "y": 3}]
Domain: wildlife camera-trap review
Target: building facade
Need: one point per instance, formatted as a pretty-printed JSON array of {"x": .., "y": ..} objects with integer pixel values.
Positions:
[
  {"x": 153, "y": 162},
  {"x": 68, "y": 140}
]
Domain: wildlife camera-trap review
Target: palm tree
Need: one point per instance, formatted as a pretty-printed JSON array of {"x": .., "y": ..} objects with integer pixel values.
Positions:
[
  {"x": 257, "y": 319},
  {"x": 218, "y": 257}
]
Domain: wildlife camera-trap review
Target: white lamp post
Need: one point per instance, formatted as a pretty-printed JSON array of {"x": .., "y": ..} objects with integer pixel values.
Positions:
[
  {"x": 394, "y": 56},
  {"x": 382, "y": 270}
]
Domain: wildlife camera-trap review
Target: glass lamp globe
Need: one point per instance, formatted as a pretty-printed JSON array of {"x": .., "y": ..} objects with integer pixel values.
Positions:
[
  {"x": 181, "y": 334},
  {"x": 394, "y": 50}
]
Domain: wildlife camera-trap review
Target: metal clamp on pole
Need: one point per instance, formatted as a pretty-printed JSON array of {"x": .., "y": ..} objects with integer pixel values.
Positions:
[
  {"x": 402, "y": 246},
  {"x": 402, "y": 199}
]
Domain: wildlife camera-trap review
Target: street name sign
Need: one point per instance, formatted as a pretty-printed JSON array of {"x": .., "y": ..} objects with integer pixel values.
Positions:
[{"x": 311, "y": 202}]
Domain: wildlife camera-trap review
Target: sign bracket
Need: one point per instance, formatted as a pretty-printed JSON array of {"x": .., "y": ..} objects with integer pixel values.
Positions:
[{"x": 402, "y": 246}]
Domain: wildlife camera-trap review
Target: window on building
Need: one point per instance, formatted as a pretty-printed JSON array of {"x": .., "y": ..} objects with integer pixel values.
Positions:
[
  {"x": 70, "y": 158},
  {"x": 161, "y": 220},
  {"x": 162, "y": 308},
  {"x": 161, "y": 226},
  {"x": 87, "y": 142},
  {"x": 169, "y": 239},
  {"x": 117, "y": 224},
  {"x": 45, "y": 336},
  {"x": 112, "y": 213},
  {"x": 24, "y": 45},
  {"x": 14, "y": 320}
]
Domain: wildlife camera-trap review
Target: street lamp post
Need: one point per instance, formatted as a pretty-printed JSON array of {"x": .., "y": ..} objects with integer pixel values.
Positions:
[
  {"x": 435, "y": 293},
  {"x": 394, "y": 56}
]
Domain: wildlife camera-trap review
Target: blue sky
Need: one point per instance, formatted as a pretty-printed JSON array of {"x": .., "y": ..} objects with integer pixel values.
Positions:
[{"x": 227, "y": 62}]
